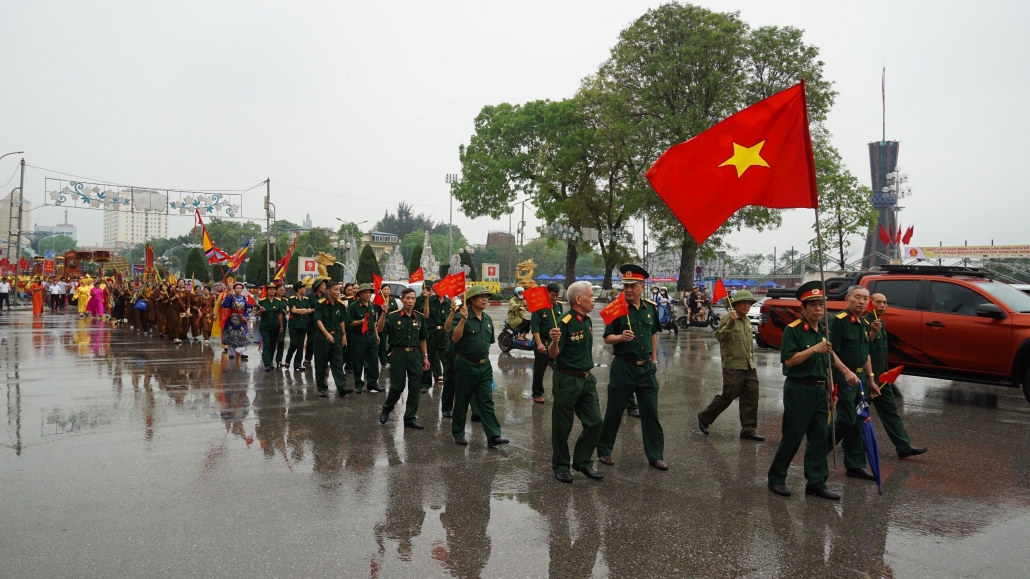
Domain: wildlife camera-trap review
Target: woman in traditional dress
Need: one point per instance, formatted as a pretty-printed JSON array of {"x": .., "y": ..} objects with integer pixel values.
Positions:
[
  {"x": 206, "y": 313},
  {"x": 180, "y": 315},
  {"x": 36, "y": 289},
  {"x": 236, "y": 322},
  {"x": 95, "y": 307},
  {"x": 82, "y": 294}
]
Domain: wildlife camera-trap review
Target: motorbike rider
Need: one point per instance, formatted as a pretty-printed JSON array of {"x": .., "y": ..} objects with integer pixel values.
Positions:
[
  {"x": 517, "y": 313},
  {"x": 696, "y": 302}
]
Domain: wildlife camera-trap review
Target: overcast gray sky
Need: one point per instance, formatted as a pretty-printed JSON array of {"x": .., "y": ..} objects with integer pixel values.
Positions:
[{"x": 371, "y": 100}]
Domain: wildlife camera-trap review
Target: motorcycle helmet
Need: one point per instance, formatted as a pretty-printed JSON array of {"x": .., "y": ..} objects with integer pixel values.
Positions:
[{"x": 519, "y": 291}]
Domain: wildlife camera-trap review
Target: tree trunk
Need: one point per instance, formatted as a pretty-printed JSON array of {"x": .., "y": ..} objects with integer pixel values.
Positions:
[
  {"x": 570, "y": 263},
  {"x": 607, "y": 283},
  {"x": 688, "y": 259}
]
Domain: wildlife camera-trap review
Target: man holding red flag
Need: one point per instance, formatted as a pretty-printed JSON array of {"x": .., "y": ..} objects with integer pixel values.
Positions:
[
  {"x": 435, "y": 308},
  {"x": 363, "y": 346},
  {"x": 543, "y": 303},
  {"x": 634, "y": 341}
]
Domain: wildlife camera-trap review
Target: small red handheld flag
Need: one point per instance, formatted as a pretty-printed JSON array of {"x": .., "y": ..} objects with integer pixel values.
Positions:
[
  {"x": 364, "y": 324},
  {"x": 761, "y": 155},
  {"x": 719, "y": 291},
  {"x": 536, "y": 298},
  {"x": 418, "y": 276},
  {"x": 617, "y": 308},
  {"x": 377, "y": 290},
  {"x": 891, "y": 376},
  {"x": 450, "y": 285}
]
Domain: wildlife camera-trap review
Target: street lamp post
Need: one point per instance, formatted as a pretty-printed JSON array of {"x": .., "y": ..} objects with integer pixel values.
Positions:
[
  {"x": 897, "y": 187},
  {"x": 10, "y": 221},
  {"x": 450, "y": 180}
]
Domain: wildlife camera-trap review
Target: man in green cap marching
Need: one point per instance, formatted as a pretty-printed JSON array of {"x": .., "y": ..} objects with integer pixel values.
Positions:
[
  {"x": 805, "y": 356},
  {"x": 406, "y": 331},
  {"x": 634, "y": 341},
  {"x": 573, "y": 387},
  {"x": 330, "y": 320},
  {"x": 318, "y": 289},
  {"x": 362, "y": 316},
  {"x": 739, "y": 374},
  {"x": 474, "y": 375},
  {"x": 300, "y": 311},
  {"x": 271, "y": 325}
]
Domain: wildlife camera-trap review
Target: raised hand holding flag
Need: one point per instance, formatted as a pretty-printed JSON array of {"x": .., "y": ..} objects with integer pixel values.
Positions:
[
  {"x": 377, "y": 290},
  {"x": 719, "y": 291},
  {"x": 450, "y": 285},
  {"x": 417, "y": 276},
  {"x": 537, "y": 299},
  {"x": 617, "y": 308}
]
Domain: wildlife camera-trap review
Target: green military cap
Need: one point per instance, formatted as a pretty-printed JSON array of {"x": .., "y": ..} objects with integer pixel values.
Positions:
[
  {"x": 632, "y": 273},
  {"x": 297, "y": 286},
  {"x": 476, "y": 290},
  {"x": 744, "y": 296},
  {"x": 365, "y": 287},
  {"x": 812, "y": 290}
]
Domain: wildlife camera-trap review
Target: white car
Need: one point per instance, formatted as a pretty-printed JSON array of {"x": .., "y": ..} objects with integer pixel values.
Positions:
[
  {"x": 1023, "y": 287},
  {"x": 754, "y": 314}
]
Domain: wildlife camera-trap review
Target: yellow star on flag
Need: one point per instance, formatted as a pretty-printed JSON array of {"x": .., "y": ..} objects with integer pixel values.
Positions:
[{"x": 746, "y": 157}]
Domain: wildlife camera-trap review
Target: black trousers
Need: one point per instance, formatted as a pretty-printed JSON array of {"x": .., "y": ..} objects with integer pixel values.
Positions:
[{"x": 5, "y": 299}]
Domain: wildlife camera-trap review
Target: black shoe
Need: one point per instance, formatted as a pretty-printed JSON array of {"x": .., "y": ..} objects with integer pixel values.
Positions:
[
  {"x": 268, "y": 368},
  {"x": 910, "y": 451},
  {"x": 563, "y": 476},
  {"x": 822, "y": 493},
  {"x": 701, "y": 424},
  {"x": 375, "y": 389},
  {"x": 383, "y": 416},
  {"x": 358, "y": 390},
  {"x": 496, "y": 441},
  {"x": 476, "y": 418},
  {"x": 298, "y": 368},
  {"x": 323, "y": 393},
  {"x": 860, "y": 473},
  {"x": 635, "y": 413},
  {"x": 461, "y": 441},
  {"x": 414, "y": 424},
  {"x": 446, "y": 413},
  {"x": 590, "y": 473},
  {"x": 754, "y": 437},
  {"x": 424, "y": 390},
  {"x": 344, "y": 392},
  {"x": 244, "y": 357},
  {"x": 781, "y": 490}
]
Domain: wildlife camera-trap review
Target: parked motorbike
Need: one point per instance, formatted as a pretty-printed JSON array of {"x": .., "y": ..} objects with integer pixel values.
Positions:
[{"x": 508, "y": 340}]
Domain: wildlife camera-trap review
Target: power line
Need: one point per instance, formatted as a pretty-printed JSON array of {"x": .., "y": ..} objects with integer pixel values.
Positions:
[{"x": 11, "y": 179}]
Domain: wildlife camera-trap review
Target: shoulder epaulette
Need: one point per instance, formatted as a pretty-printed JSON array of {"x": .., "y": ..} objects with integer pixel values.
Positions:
[
  {"x": 650, "y": 302},
  {"x": 565, "y": 319},
  {"x": 321, "y": 300},
  {"x": 842, "y": 315},
  {"x": 794, "y": 323},
  {"x": 393, "y": 312}
]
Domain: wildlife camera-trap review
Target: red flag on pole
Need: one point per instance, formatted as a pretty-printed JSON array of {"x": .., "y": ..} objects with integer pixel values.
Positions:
[
  {"x": 418, "y": 276},
  {"x": 364, "y": 324},
  {"x": 884, "y": 237},
  {"x": 891, "y": 376},
  {"x": 719, "y": 291},
  {"x": 450, "y": 285},
  {"x": 897, "y": 236},
  {"x": 908, "y": 234},
  {"x": 280, "y": 268},
  {"x": 537, "y": 298},
  {"x": 377, "y": 290},
  {"x": 762, "y": 155},
  {"x": 617, "y": 308}
]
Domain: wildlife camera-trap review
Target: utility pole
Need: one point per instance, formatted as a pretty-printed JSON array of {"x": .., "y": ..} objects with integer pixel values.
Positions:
[
  {"x": 17, "y": 239},
  {"x": 450, "y": 180},
  {"x": 644, "y": 229},
  {"x": 268, "y": 230}
]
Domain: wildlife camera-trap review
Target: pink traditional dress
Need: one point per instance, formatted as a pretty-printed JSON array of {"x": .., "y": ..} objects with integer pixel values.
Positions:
[{"x": 95, "y": 307}]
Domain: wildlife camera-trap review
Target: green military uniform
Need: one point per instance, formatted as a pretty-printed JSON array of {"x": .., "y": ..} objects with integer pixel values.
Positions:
[
  {"x": 407, "y": 336},
  {"x": 849, "y": 335},
  {"x": 804, "y": 406},
  {"x": 270, "y": 328},
  {"x": 449, "y": 355},
  {"x": 633, "y": 372},
  {"x": 886, "y": 407},
  {"x": 331, "y": 315},
  {"x": 384, "y": 347},
  {"x": 739, "y": 374},
  {"x": 298, "y": 330},
  {"x": 280, "y": 345},
  {"x": 364, "y": 349},
  {"x": 313, "y": 331},
  {"x": 474, "y": 375},
  {"x": 574, "y": 389},
  {"x": 541, "y": 323},
  {"x": 438, "y": 338}
]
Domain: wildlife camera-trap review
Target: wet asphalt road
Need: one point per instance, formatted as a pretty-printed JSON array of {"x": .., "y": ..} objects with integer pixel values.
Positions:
[{"x": 129, "y": 457}]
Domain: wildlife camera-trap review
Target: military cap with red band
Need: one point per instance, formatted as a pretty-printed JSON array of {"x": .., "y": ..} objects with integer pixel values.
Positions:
[
  {"x": 812, "y": 290},
  {"x": 632, "y": 273}
]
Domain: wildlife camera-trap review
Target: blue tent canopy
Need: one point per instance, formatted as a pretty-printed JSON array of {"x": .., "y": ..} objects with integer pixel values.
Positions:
[
  {"x": 545, "y": 276},
  {"x": 558, "y": 277},
  {"x": 769, "y": 283}
]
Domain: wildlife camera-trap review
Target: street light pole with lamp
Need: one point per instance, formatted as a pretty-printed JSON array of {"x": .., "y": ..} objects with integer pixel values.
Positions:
[
  {"x": 898, "y": 188},
  {"x": 10, "y": 222}
]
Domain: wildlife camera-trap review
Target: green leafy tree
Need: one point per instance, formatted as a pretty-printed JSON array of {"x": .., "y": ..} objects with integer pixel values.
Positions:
[
  {"x": 59, "y": 244},
  {"x": 466, "y": 259},
  {"x": 443, "y": 270},
  {"x": 845, "y": 206},
  {"x": 404, "y": 221},
  {"x": 336, "y": 272},
  {"x": 415, "y": 261},
  {"x": 367, "y": 265},
  {"x": 257, "y": 265},
  {"x": 196, "y": 265}
]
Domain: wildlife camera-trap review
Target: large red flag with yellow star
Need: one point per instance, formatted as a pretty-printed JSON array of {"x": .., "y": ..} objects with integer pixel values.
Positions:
[{"x": 759, "y": 156}]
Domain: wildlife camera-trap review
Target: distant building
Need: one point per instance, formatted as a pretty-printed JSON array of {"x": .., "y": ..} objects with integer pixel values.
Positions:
[
  {"x": 380, "y": 241},
  {"x": 306, "y": 225},
  {"x": 499, "y": 239},
  {"x": 60, "y": 229},
  {"x": 5, "y": 218},
  {"x": 146, "y": 218}
]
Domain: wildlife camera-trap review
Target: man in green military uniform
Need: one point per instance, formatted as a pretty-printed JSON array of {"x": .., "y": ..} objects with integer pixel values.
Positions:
[
  {"x": 805, "y": 355},
  {"x": 271, "y": 325},
  {"x": 474, "y": 375},
  {"x": 573, "y": 387},
  {"x": 541, "y": 323},
  {"x": 330, "y": 319},
  {"x": 435, "y": 308},
  {"x": 406, "y": 330},
  {"x": 362, "y": 316},
  {"x": 280, "y": 297},
  {"x": 318, "y": 289},
  {"x": 449, "y": 355},
  {"x": 300, "y": 311},
  {"x": 886, "y": 407},
  {"x": 634, "y": 341},
  {"x": 391, "y": 304},
  {"x": 739, "y": 374},
  {"x": 849, "y": 336}
]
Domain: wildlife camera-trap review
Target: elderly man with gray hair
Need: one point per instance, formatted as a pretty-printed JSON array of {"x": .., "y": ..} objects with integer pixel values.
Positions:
[{"x": 573, "y": 387}]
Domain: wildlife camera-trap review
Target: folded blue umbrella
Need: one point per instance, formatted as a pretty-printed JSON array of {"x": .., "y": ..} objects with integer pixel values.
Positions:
[{"x": 872, "y": 450}]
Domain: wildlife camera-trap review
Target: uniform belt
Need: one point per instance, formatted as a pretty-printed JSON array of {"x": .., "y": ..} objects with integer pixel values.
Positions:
[
  {"x": 437, "y": 327},
  {"x": 404, "y": 348},
  {"x": 471, "y": 359},
  {"x": 819, "y": 383},
  {"x": 634, "y": 360},
  {"x": 571, "y": 372}
]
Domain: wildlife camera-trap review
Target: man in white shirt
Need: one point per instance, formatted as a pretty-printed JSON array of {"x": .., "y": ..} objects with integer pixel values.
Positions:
[
  {"x": 64, "y": 292},
  {"x": 5, "y": 293},
  {"x": 55, "y": 295}
]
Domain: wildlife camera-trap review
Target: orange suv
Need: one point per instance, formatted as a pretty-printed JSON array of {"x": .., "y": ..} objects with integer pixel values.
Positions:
[{"x": 943, "y": 322}]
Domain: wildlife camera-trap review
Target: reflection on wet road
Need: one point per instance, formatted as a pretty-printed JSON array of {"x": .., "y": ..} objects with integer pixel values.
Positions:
[{"x": 131, "y": 457}]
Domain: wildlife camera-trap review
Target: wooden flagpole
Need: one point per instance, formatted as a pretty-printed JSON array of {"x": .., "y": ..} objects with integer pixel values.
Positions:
[{"x": 826, "y": 338}]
